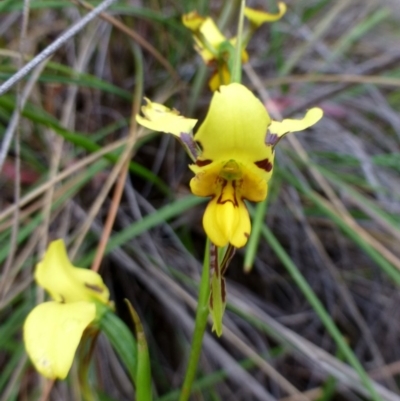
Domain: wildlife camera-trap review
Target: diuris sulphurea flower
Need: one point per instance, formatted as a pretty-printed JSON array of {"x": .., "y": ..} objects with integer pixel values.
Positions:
[
  {"x": 53, "y": 330},
  {"x": 233, "y": 153},
  {"x": 215, "y": 49}
]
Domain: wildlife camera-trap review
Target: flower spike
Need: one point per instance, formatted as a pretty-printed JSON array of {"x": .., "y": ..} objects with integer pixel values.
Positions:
[
  {"x": 215, "y": 49},
  {"x": 236, "y": 160},
  {"x": 237, "y": 140}
]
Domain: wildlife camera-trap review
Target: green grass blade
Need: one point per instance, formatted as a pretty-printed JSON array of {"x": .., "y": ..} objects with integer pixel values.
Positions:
[
  {"x": 319, "y": 310},
  {"x": 254, "y": 240},
  {"x": 386, "y": 266},
  {"x": 121, "y": 340},
  {"x": 150, "y": 221},
  {"x": 143, "y": 370},
  {"x": 34, "y": 222}
]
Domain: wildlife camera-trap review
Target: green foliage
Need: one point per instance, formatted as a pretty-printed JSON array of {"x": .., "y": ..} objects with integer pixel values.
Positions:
[{"x": 158, "y": 225}]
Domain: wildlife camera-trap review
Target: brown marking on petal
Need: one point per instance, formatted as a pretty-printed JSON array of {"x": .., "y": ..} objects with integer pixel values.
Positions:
[
  {"x": 234, "y": 201},
  {"x": 230, "y": 252},
  {"x": 223, "y": 185},
  {"x": 94, "y": 288},
  {"x": 264, "y": 164},
  {"x": 271, "y": 139},
  {"x": 223, "y": 290},
  {"x": 214, "y": 260},
  {"x": 247, "y": 235},
  {"x": 199, "y": 145},
  {"x": 62, "y": 298},
  {"x": 188, "y": 141},
  {"x": 202, "y": 163}
]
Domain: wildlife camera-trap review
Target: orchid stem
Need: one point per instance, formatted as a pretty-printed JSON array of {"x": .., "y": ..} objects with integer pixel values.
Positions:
[
  {"x": 254, "y": 240},
  {"x": 237, "y": 62},
  {"x": 200, "y": 326}
]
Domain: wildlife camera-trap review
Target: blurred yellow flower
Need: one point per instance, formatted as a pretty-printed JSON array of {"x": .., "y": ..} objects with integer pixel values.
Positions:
[
  {"x": 234, "y": 156},
  {"x": 259, "y": 17},
  {"x": 158, "y": 117},
  {"x": 215, "y": 49},
  {"x": 52, "y": 330}
]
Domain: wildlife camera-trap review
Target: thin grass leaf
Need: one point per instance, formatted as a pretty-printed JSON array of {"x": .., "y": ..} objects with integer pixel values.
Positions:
[
  {"x": 319, "y": 310},
  {"x": 37, "y": 219},
  {"x": 143, "y": 370},
  {"x": 386, "y": 266},
  {"x": 121, "y": 340},
  {"x": 254, "y": 240}
]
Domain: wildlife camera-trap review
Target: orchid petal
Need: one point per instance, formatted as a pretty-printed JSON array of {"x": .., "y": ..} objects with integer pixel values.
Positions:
[
  {"x": 235, "y": 127},
  {"x": 226, "y": 222},
  {"x": 66, "y": 283},
  {"x": 220, "y": 77},
  {"x": 281, "y": 128},
  {"x": 257, "y": 18},
  {"x": 158, "y": 117},
  {"x": 193, "y": 20},
  {"x": 208, "y": 40},
  {"x": 52, "y": 332}
]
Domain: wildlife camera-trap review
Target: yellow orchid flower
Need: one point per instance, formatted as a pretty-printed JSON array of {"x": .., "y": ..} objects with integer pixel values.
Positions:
[
  {"x": 237, "y": 140},
  {"x": 158, "y": 117},
  {"x": 206, "y": 34},
  {"x": 258, "y": 17},
  {"x": 215, "y": 49},
  {"x": 52, "y": 330}
]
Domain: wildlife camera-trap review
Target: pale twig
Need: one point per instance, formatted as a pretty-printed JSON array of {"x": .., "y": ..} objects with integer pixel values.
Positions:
[
  {"x": 342, "y": 288},
  {"x": 263, "y": 365},
  {"x": 167, "y": 296},
  {"x": 12, "y": 125},
  {"x": 78, "y": 165},
  {"x": 112, "y": 213},
  {"x": 232, "y": 338},
  {"x": 84, "y": 228},
  {"x": 49, "y": 50},
  {"x": 15, "y": 379},
  {"x": 67, "y": 121},
  {"x": 23, "y": 255},
  {"x": 312, "y": 394},
  {"x": 47, "y": 390},
  {"x": 41, "y": 57},
  {"x": 321, "y": 28},
  {"x": 333, "y": 78},
  {"x": 335, "y": 204},
  {"x": 17, "y": 178},
  {"x": 135, "y": 36},
  {"x": 318, "y": 357}
]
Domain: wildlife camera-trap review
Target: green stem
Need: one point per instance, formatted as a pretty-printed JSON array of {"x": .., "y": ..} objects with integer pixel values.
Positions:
[
  {"x": 200, "y": 326},
  {"x": 319, "y": 309},
  {"x": 237, "y": 62},
  {"x": 254, "y": 240}
]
